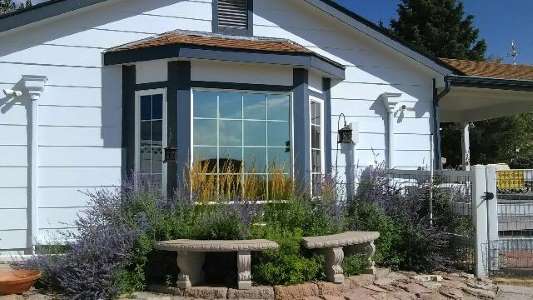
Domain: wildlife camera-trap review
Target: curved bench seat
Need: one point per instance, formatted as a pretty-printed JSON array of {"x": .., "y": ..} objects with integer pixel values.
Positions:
[
  {"x": 340, "y": 240},
  {"x": 216, "y": 246},
  {"x": 191, "y": 258},
  {"x": 333, "y": 245}
]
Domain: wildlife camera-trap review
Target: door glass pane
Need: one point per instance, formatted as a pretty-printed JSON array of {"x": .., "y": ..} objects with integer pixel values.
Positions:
[
  {"x": 230, "y": 105},
  {"x": 316, "y": 158},
  {"x": 157, "y": 107},
  {"x": 157, "y": 160},
  {"x": 145, "y": 159},
  {"x": 157, "y": 132},
  {"x": 146, "y": 107}
]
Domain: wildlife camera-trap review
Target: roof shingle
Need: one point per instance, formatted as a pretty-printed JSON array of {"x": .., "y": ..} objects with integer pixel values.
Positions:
[
  {"x": 216, "y": 41},
  {"x": 491, "y": 69}
]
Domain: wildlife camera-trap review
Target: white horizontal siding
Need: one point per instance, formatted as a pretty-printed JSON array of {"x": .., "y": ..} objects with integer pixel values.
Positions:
[
  {"x": 66, "y": 196},
  {"x": 79, "y": 176},
  {"x": 12, "y": 239},
  {"x": 414, "y": 126},
  {"x": 13, "y": 219},
  {"x": 79, "y": 136},
  {"x": 13, "y": 156},
  {"x": 79, "y": 156},
  {"x": 58, "y": 217},
  {"x": 13, "y": 177},
  {"x": 13, "y": 114},
  {"x": 13, "y": 197},
  {"x": 11, "y": 135}
]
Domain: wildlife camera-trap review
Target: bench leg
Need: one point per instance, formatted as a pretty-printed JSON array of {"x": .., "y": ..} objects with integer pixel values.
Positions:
[
  {"x": 244, "y": 269},
  {"x": 334, "y": 258},
  {"x": 371, "y": 263},
  {"x": 190, "y": 265}
]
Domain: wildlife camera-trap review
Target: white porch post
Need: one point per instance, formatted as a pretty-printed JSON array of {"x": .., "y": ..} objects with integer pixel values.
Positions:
[
  {"x": 34, "y": 87},
  {"x": 465, "y": 145},
  {"x": 479, "y": 215}
]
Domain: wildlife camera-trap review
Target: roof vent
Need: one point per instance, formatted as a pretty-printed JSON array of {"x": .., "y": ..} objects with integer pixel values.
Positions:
[{"x": 232, "y": 16}]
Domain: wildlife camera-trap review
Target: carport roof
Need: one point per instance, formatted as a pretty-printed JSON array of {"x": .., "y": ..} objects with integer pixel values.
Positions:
[{"x": 490, "y": 69}]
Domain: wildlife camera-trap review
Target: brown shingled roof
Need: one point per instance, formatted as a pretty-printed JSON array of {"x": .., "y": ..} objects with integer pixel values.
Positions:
[
  {"x": 491, "y": 69},
  {"x": 216, "y": 41}
]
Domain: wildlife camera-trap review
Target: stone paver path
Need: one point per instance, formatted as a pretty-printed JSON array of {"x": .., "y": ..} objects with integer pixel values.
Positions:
[{"x": 385, "y": 285}]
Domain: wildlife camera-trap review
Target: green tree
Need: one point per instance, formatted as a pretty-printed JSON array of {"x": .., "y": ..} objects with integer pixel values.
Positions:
[
  {"x": 440, "y": 28},
  {"x": 7, "y": 6}
]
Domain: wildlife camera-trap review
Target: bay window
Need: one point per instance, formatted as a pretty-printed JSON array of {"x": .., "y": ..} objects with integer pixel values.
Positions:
[{"x": 242, "y": 135}]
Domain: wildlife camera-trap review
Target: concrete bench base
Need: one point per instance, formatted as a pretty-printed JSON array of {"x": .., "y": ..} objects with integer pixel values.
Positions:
[
  {"x": 333, "y": 248},
  {"x": 191, "y": 258}
]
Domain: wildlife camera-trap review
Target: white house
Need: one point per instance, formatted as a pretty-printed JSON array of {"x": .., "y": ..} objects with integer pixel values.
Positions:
[{"x": 98, "y": 89}]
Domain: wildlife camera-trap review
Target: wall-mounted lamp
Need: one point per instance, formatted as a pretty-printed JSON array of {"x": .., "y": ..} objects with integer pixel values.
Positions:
[
  {"x": 12, "y": 93},
  {"x": 345, "y": 134}
]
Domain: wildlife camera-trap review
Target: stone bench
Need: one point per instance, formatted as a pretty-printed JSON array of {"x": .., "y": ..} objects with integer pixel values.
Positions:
[
  {"x": 333, "y": 245},
  {"x": 191, "y": 258}
]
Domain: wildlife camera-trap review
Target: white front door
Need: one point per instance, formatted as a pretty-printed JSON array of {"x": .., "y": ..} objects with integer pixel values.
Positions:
[{"x": 150, "y": 138}]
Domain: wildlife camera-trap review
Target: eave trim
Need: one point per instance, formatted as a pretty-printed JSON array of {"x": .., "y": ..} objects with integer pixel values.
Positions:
[{"x": 295, "y": 60}]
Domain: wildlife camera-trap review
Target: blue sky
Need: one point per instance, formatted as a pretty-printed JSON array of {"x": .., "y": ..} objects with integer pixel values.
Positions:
[{"x": 500, "y": 21}]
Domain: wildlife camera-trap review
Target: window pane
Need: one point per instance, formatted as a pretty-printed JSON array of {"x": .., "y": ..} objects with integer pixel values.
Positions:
[
  {"x": 230, "y": 105},
  {"x": 316, "y": 160},
  {"x": 157, "y": 160},
  {"x": 278, "y": 134},
  {"x": 279, "y": 159},
  {"x": 255, "y": 187},
  {"x": 145, "y": 159},
  {"x": 206, "y": 157},
  {"x": 255, "y": 160},
  {"x": 230, "y": 160},
  {"x": 254, "y": 106},
  {"x": 315, "y": 137},
  {"x": 157, "y": 106},
  {"x": 146, "y": 132},
  {"x": 278, "y": 107},
  {"x": 254, "y": 133},
  {"x": 205, "y": 104},
  {"x": 230, "y": 133},
  {"x": 317, "y": 184},
  {"x": 205, "y": 132},
  {"x": 315, "y": 113},
  {"x": 146, "y": 107},
  {"x": 157, "y": 132}
]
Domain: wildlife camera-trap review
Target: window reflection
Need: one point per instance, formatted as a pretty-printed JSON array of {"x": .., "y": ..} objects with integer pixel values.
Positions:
[{"x": 247, "y": 134}]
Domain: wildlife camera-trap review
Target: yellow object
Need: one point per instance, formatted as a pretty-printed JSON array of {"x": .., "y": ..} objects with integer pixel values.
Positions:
[{"x": 511, "y": 180}]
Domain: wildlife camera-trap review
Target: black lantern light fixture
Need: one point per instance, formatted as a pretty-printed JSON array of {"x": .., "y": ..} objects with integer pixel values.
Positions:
[
  {"x": 345, "y": 134},
  {"x": 170, "y": 154}
]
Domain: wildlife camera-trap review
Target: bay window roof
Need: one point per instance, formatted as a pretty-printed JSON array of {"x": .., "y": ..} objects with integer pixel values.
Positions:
[{"x": 197, "y": 45}]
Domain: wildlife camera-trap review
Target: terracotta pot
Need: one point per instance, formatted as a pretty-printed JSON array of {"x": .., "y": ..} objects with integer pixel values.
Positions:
[{"x": 17, "y": 281}]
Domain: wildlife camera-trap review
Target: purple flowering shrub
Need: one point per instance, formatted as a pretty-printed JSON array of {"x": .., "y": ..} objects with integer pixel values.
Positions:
[
  {"x": 400, "y": 212},
  {"x": 94, "y": 253}
]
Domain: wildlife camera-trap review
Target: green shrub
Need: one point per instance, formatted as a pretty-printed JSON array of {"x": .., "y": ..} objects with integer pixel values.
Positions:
[
  {"x": 355, "y": 264},
  {"x": 288, "y": 264},
  {"x": 366, "y": 216}
]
